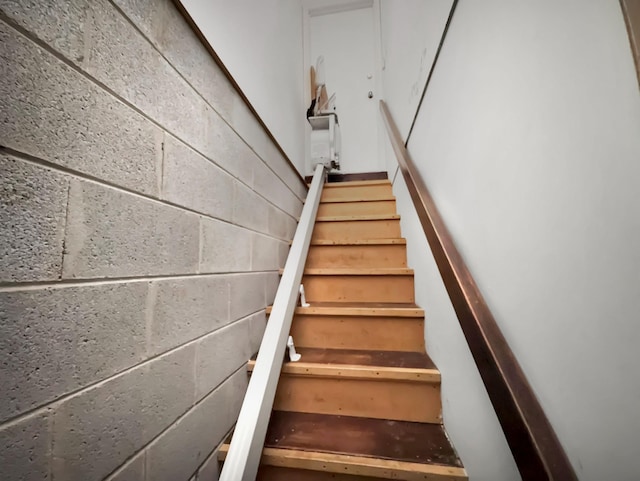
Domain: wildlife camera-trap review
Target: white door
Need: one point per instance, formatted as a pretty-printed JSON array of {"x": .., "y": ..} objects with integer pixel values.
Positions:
[{"x": 346, "y": 40}]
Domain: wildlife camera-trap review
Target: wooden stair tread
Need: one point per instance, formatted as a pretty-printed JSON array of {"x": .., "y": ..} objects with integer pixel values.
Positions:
[
  {"x": 359, "y": 242},
  {"x": 360, "y": 309},
  {"x": 292, "y": 464},
  {"x": 358, "y": 199},
  {"x": 416, "y": 360},
  {"x": 358, "y": 271},
  {"x": 354, "y": 183},
  {"x": 377, "y": 438},
  {"x": 361, "y": 364},
  {"x": 347, "y": 218}
]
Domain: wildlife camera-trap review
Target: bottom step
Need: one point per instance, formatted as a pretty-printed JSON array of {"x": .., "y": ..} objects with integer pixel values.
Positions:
[{"x": 314, "y": 447}]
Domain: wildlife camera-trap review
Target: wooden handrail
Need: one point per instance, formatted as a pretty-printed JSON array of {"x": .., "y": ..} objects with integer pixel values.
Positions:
[
  {"x": 631, "y": 13},
  {"x": 531, "y": 438}
]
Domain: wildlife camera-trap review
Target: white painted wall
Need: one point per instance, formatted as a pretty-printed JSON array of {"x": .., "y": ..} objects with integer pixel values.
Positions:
[
  {"x": 261, "y": 45},
  {"x": 410, "y": 31},
  {"x": 529, "y": 139}
]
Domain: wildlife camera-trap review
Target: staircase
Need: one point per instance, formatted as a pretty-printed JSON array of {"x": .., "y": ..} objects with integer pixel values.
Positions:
[{"x": 363, "y": 403}]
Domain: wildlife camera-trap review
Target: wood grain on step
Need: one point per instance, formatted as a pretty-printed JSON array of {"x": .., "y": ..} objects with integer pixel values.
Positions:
[
  {"x": 346, "y": 331},
  {"x": 362, "y": 256},
  {"x": 364, "y": 207},
  {"x": 368, "y": 358},
  {"x": 378, "y": 438},
  {"x": 355, "y": 230}
]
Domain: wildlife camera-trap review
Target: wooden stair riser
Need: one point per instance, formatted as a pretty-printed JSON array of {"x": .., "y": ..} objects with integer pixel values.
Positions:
[
  {"x": 386, "y": 255},
  {"x": 378, "y": 207},
  {"x": 357, "y": 192},
  {"x": 363, "y": 288},
  {"x": 370, "y": 398},
  {"x": 354, "y": 230},
  {"x": 356, "y": 332}
]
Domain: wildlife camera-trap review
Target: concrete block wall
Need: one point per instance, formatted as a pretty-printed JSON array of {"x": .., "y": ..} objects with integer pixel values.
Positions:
[{"x": 144, "y": 215}]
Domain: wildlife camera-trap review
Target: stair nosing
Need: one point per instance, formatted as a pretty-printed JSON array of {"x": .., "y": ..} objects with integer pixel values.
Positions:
[
  {"x": 374, "y": 467},
  {"x": 357, "y": 199},
  {"x": 358, "y": 371},
  {"x": 357, "y": 271},
  {"x": 412, "y": 312},
  {"x": 351, "y": 218},
  {"x": 361, "y": 242},
  {"x": 356, "y": 183}
]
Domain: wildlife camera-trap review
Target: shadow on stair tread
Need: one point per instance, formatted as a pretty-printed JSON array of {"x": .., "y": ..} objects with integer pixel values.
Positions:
[
  {"x": 377, "y": 438},
  {"x": 359, "y": 357}
]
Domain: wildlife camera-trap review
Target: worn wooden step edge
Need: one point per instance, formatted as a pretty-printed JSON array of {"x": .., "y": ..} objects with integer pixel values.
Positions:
[
  {"x": 351, "y": 371},
  {"x": 358, "y": 199},
  {"x": 350, "y": 218},
  {"x": 357, "y": 271},
  {"x": 356, "y": 183},
  {"x": 356, "y": 465},
  {"x": 414, "y": 312},
  {"x": 360, "y": 242}
]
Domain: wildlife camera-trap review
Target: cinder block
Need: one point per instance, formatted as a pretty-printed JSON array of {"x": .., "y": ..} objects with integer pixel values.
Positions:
[
  {"x": 224, "y": 247},
  {"x": 110, "y": 422},
  {"x": 220, "y": 354},
  {"x": 265, "y": 253},
  {"x": 210, "y": 468},
  {"x": 247, "y": 126},
  {"x": 123, "y": 60},
  {"x": 245, "y": 123},
  {"x": 257, "y": 325},
  {"x": 271, "y": 283},
  {"x": 271, "y": 187},
  {"x": 192, "y": 181},
  {"x": 58, "y": 24},
  {"x": 228, "y": 150},
  {"x": 165, "y": 27},
  {"x": 111, "y": 233},
  {"x": 278, "y": 163},
  {"x": 24, "y": 449},
  {"x": 181, "y": 449},
  {"x": 247, "y": 294},
  {"x": 249, "y": 209},
  {"x": 50, "y": 111},
  {"x": 33, "y": 206},
  {"x": 133, "y": 470},
  {"x": 185, "y": 309},
  {"x": 54, "y": 341},
  {"x": 281, "y": 225},
  {"x": 283, "y": 253}
]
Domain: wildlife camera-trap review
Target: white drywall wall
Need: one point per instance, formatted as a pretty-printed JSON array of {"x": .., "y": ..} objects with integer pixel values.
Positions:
[
  {"x": 529, "y": 140},
  {"x": 468, "y": 415},
  {"x": 410, "y": 31},
  {"x": 261, "y": 45}
]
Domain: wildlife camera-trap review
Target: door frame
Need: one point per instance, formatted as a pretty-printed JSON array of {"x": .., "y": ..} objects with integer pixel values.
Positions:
[{"x": 312, "y": 8}]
